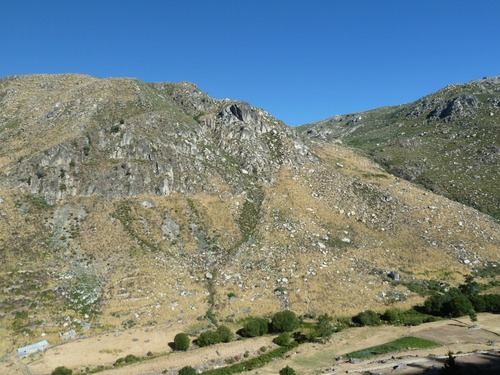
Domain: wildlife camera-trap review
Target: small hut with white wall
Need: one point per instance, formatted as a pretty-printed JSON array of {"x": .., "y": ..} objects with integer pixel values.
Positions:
[{"x": 32, "y": 349}]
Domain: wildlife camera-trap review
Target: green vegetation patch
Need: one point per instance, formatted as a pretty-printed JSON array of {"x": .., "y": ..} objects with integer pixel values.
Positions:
[
  {"x": 39, "y": 202},
  {"x": 250, "y": 214},
  {"x": 253, "y": 363},
  {"x": 402, "y": 344}
]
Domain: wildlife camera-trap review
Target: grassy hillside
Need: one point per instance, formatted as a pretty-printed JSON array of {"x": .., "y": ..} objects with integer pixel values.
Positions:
[
  {"x": 158, "y": 204},
  {"x": 448, "y": 141}
]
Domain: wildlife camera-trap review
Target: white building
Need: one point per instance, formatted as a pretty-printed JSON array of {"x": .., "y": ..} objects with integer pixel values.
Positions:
[{"x": 32, "y": 349}]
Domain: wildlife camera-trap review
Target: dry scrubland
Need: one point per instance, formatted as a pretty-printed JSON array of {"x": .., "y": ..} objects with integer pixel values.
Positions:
[
  {"x": 298, "y": 258},
  {"x": 129, "y": 206}
]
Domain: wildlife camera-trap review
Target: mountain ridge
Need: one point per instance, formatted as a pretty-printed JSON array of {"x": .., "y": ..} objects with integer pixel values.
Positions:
[{"x": 251, "y": 219}]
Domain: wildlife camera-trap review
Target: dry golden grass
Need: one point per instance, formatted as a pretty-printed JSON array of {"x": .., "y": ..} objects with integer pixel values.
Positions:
[{"x": 297, "y": 257}]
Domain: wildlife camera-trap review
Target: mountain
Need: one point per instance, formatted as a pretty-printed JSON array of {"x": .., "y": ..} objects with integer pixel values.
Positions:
[
  {"x": 128, "y": 203},
  {"x": 448, "y": 141}
]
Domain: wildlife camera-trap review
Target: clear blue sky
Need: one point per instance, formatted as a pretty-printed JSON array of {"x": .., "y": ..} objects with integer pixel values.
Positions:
[{"x": 300, "y": 60}]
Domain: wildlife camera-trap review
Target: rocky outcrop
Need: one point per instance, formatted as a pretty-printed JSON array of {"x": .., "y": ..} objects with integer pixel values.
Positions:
[
  {"x": 450, "y": 110},
  {"x": 148, "y": 139}
]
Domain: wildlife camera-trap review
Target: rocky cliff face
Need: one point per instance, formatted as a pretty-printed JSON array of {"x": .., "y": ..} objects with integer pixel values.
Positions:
[
  {"x": 119, "y": 138},
  {"x": 124, "y": 203}
]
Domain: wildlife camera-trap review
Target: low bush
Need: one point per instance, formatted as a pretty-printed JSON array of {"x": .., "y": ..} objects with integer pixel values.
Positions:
[
  {"x": 208, "y": 338},
  {"x": 410, "y": 317},
  {"x": 225, "y": 334},
  {"x": 287, "y": 371},
  {"x": 61, "y": 370},
  {"x": 187, "y": 370},
  {"x": 367, "y": 318},
  {"x": 283, "y": 339},
  {"x": 129, "y": 359}
]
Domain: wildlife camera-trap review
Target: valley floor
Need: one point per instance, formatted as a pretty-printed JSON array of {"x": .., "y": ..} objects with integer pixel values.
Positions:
[{"x": 454, "y": 335}]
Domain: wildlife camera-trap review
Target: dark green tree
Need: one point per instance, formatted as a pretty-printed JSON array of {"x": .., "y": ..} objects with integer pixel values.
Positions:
[
  {"x": 181, "y": 341},
  {"x": 255, "y": 327},
  {"x": 478, "y": 302},
  {"x": 457, "y": 306},
  {"x": 287, "y": 371},
  {"x": 434, "y": 304},
  {"x": 491, "y": 303},
  {"x": 62, "y": 370},
  {"x": 187, "y": 370},
  {"x": 284, "y": 321},
  {"x": 471, "y": 287}
]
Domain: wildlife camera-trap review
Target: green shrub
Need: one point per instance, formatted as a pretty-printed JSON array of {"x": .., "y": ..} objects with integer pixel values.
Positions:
[
  {"x": 451, "y": 304},
  {"x": 367, "y": 318},
  {"x": 225, "y": 334},
  {"x": 208, "y": 338},
  {"x": 486, "y": 303},
  {"x": 62, "y": 370},
  {"x": 187, "y": 370},
  {"x": 287, "y": 371},
  {"x": 131, "y": 359},
  {"x": 343, "y": 322},
  {"x": 284, "y": 321},
  {"x": 253, "y": 363},
  {"x": 255, "y": 327},
  {"x": 283, "y": 339},
  {"x": 181, "y": 341},
  {"x": 324, "y": 327},
  {"x": 392, "y": 316},
  {"x": 128, "y": 360}
]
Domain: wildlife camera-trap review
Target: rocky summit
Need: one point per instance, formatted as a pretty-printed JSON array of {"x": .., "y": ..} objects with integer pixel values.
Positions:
[{"x": 127, "y": 203}]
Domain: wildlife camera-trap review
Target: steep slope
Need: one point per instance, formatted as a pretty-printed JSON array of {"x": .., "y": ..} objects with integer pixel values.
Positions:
[
  {"x": 124, "y": 203},
  {"x": 448, "y": 141},
  {"x": 78, "y": 135}
]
